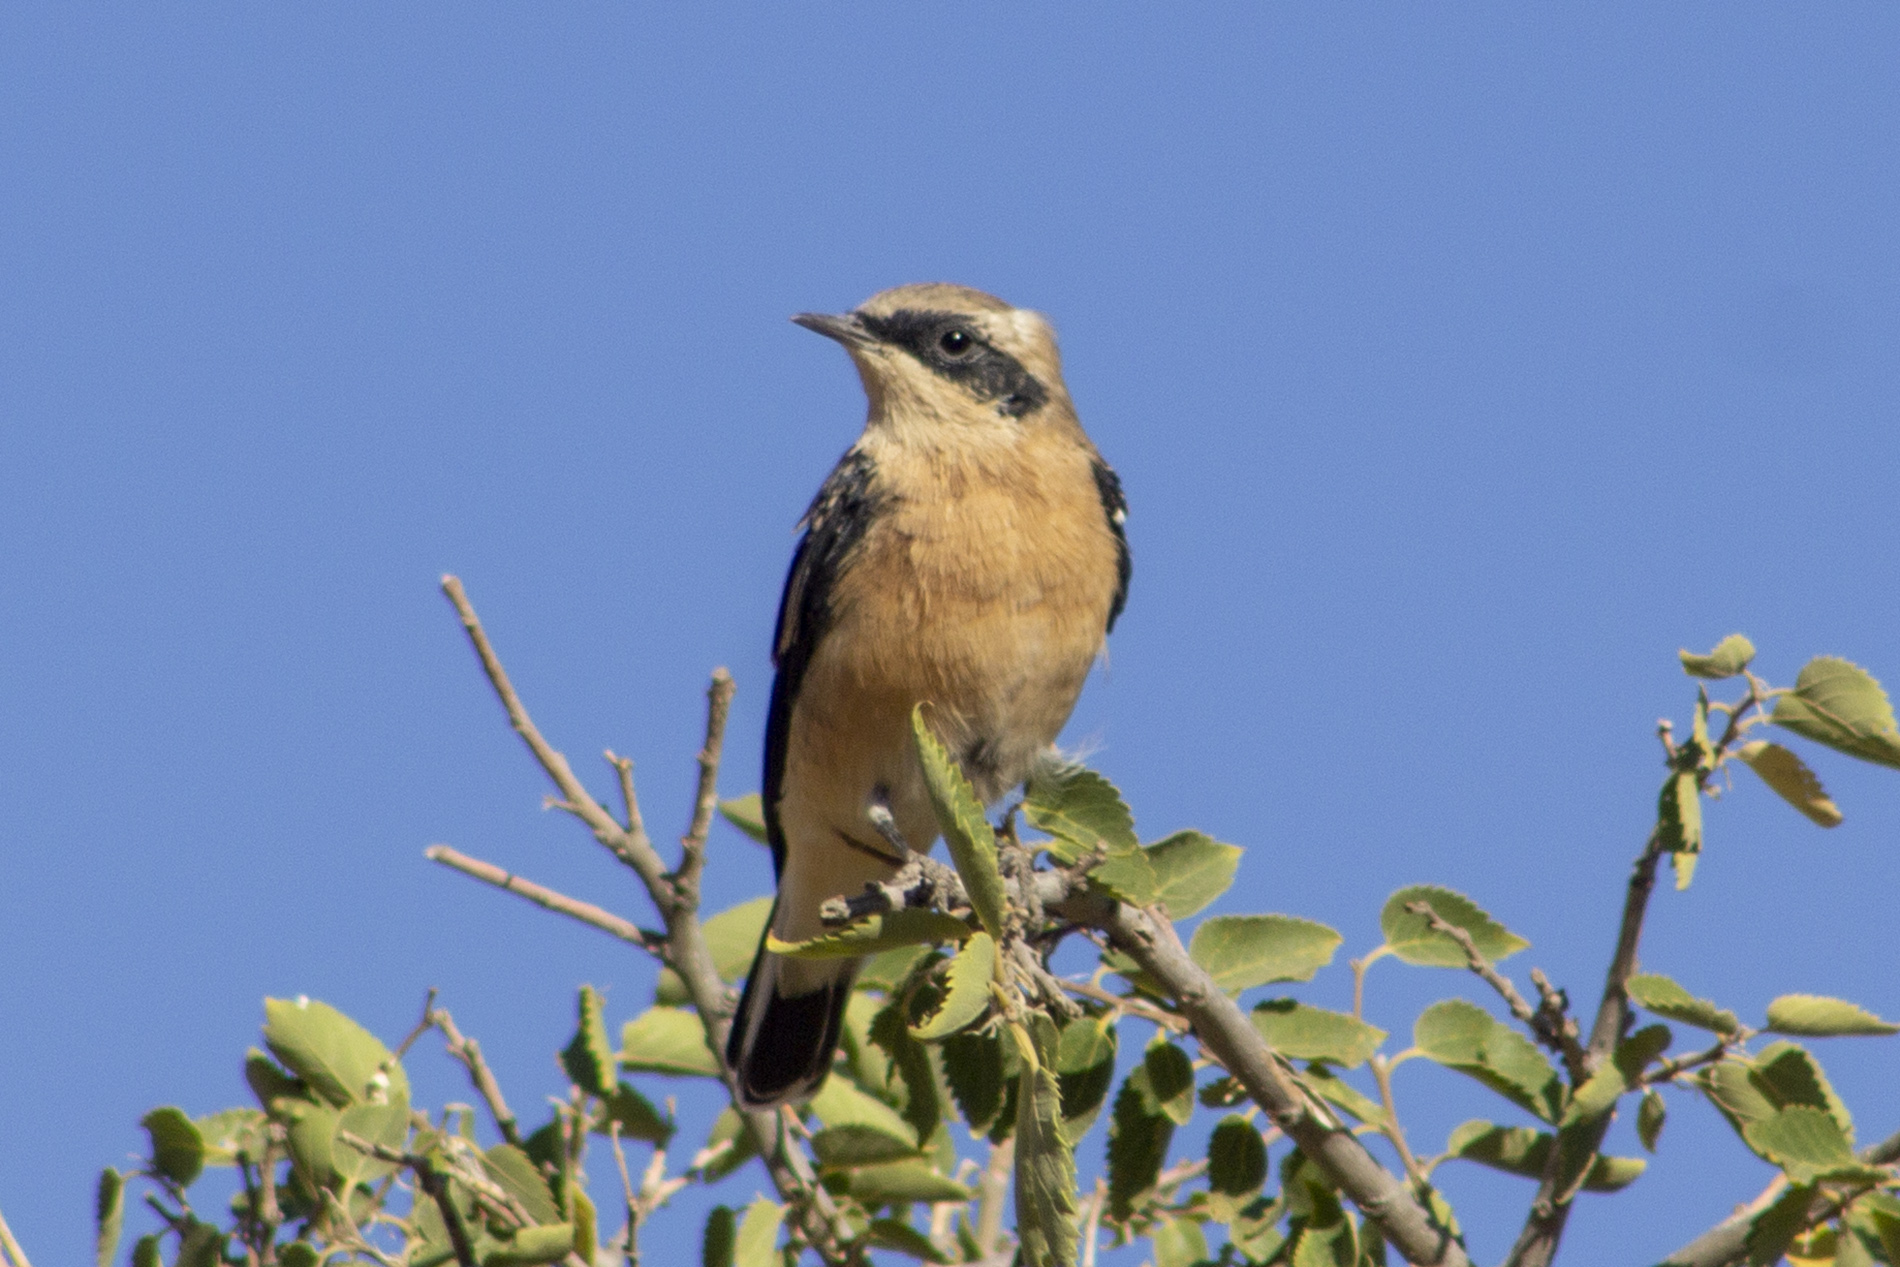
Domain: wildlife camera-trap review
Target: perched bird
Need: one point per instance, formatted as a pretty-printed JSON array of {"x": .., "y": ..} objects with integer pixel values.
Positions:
[{"x": 967, "y": 550}]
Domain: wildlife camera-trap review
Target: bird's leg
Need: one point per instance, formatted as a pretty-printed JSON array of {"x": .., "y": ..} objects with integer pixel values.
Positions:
[{"x": 921, "y": 881}]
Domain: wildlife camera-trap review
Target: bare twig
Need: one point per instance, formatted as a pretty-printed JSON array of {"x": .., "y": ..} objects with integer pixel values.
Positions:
[
  {"x": 706, "y": 796},
  {"x": 469, "y": 1053},
  {"x": 11, "y": 1255},
  {"x": 1133, "y": 1006},
  {"x": 546, "y": 898},
  {"x": 434, "y": 1183},
  {"x": 992, "y": 1191},
  {"x": 1092, "y": 1222},
  {"x": 1557, "y": 1039},
  {"x": 1390, "y": 1128}
]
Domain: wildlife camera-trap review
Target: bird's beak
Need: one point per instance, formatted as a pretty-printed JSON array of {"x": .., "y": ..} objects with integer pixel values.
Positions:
[{"x": 847, "y": 329}]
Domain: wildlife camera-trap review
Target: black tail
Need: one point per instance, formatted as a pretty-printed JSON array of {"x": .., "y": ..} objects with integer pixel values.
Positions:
[{"x": 781, "y": 1044}]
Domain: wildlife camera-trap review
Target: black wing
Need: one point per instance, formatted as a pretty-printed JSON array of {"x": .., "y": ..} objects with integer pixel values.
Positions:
[
  {"x": 833, "y": 527},
  {"x": 1115, "y": 506}
]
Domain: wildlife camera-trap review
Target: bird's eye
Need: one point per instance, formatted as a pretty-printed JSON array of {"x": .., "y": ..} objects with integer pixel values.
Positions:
[{"x": 955, "y": 342}]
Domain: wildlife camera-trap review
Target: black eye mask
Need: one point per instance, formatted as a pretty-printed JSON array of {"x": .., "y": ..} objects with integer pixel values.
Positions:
[{"x": 950, "y": 345}]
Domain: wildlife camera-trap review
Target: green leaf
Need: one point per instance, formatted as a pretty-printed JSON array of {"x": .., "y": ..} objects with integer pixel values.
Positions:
[
  {"x": 974, "y": 1066},
  {"x": 732, "y": 937},
  {"x": 1045, "y": 1163},
  {"x": 1650, "y": 1118},
  {"x": 1731, "y": 656},
  {"x": 1315, "y": 1033},
  {"x": 1191, "y": 869},
  {"x": 145, "y": 1252},
  {"x": 895, "y": 1234},
  {"x": 966, "y": 833},
  {"x": 310, "y": 1135},
  {"x": 343, "y": 1062},
  {"x": 717, "y": 1242},
  {"x": 757, "y": 1242},
  {"x": 1127, "y": 877},
  {"x": 968, "y": 997},
  {"x": 1812, "y": 1016},
  {"x": 1137, "y": 1148},
  {"x": 1679, "y": 822},
  {"x": 1519, "y": 1150},
  {"x": 729, "y": 1127},
  {"x": 300, "y": 1254},
  {"x": 1465, "y": 1037},
  {"x": 1236, "y": 1157},
  {"x": 1791, "y": 780},
  {"x": 1600, "y": 1092},
  {"x": 1666, "y": 999},
  {"x": 178, "y": 1151},
  {"x": 510, "y": 1167},
  {"x": 636, "y": 1115},
  {"x": 543, "y": 1243},
  {"x": 385, "y": 1124},
  {"x": 1803, "y": 1141},
  {"x": 839, "y": 1103},
  {"x": 1166, "y": 1081},
  {"x": 667, "y": 1040},
  {"x": 856, "y": 1144},
  {"x": 747, "y": 813},
  {"x": 229, "y": 1132},
  {"x": 588, "y": 1057},
  {"x": 201, "y": 1245},
  {"x": 1840, "y": 704},
  {"x": 1243, "y": 951},
  {"x": 1790, "y": 1075},
  {"x": 1339, "y": 1093},
  {"x": 885, "y": 971},
  {"x": 909, "y": 1065},
  {"x": 267, "y": 1081},
  {"x": 1085, "y": 1070},
  {"x": 1774, "y": 1229},
  {"x": 108, "y": 1216},
  {"x": 898, "y": 1182},
  {"x": 1412, "y": 938},
  {"x": 874, "y": 933},
  {"x": 1178, "y": 1243},
  {"x": 1078, "y": 807}
]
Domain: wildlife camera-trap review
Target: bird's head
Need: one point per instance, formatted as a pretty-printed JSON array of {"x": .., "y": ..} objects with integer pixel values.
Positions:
[{"x": 933, "y": 354}]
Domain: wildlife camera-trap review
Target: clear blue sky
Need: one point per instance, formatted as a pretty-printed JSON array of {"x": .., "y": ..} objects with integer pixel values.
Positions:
[{"x": 1460, "y": 362}]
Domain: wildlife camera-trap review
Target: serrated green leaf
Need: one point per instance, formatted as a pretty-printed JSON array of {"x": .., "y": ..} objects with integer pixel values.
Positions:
[
  {"x": 588, "y": 1057},
  {"x": 229, "y": 1132},
  {"x": 875, "y": 933},
  {"x": 637, "y": 1116},
  {"x": 1236, "y": 1157},
  {"x": 974, "y": 1067},
  {"x": 201, "y": 1245},
  {"x": 385, "y": 1124},
  {"x": 1167, "y": 1081},
  {"x": 309, "y": 1136},
  {"x": 1045, "y": 1162},
  {"x": 1078, "y": 807},
  {"x": 1304, "y": 1032},
  {"x": 968, "y": 995},
  {"x": 301, "y": 1254},
  {"x": 267, "y": 1081},
  {"x": 1774, "y": 1229},
  {"x": 1339, "y": 1093},
  {"x": 1839, "y": 704},
  {"x": 1813, "y": 1016},
  {"x": 839, "y": 1103},
  {"x": 1127, "y": 877},
  {"x": 1465, "y": 1037},
  {"x": 1085, "y": 1070},
  {"x": 747, "y": 813},
  {"x": 1679, "y": 822},
  {"x": 1255, "y": 1232},
  {"x": 528, "y": 1246},
  {"x": 1137, "y": 1148},
  {"x": 1790, "y": 1075},
  {"x": 895, "y": 1234},
  {"x": 1519, "y": 1150},
  {"x": 1731, "y": 656},
  {"x": 340, "y": 1060},
  {"x": 145, "y": 1252},
  {"x": 717, "y": 1242},
  {"x": 1412, "y": 939},
  {"x": 1650, "y": 1117},
  {"x": 966, "y": 832},
  {"x": 1243, "y": 951},
  {"x": 909, "y": 1068},
  {"x": 108, "y": 1216},
  {"x": 1641, "y": 1049},
  {"x": 1178, "y": 1243},
  {"x": 1191, "y": 869},
  {"x": 898, "y": 1182},
  {"x": 1665, "y": 998},
  {"x": 887, "y": 970},
  {"x": 667, "y": 1040},
  {"x": 178, "y": 1151},
  {"x": 1791, "y": 780},
  {"x": 756, "y": 1244},
  {"x": 510, "y": 1167},
  {"x": 1803, "y": 1141}
]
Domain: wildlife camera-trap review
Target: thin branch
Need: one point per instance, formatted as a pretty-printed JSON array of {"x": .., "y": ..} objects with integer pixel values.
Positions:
[
  {"x": 469, "y": 1053},
  {"x": 11, "y": 1255},
  {"x": 1550, "y": 1209},
  {"x": 1670, "y": 1070},
  {"x": 432, "y": 1182},
  {"x": 1133, "y": 1006},
  {"x": 1224, "y": 1030},
  {"x": 992, "y": 1190},
  {"x": 706, "y": 796},
  {"x": 1727, "y": 1241},
  {"x": 1382, "y": 1074},
  {"x": 1092, "y": 1222},
  {"x": 548, "y": 899},
  {"x": 1559, "y": 1040}
]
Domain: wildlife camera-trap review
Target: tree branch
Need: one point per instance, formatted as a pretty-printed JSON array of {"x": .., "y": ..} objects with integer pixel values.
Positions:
[
  {"x": 11, "y": 1255},
  {"x": 706, "y": 797},
  {"x": 546, "y": 898},
  {"x": 1556, "y": 1037}
]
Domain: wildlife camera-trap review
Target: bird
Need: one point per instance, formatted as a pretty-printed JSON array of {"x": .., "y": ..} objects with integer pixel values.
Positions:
[{"x": 969, "y": 551}]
